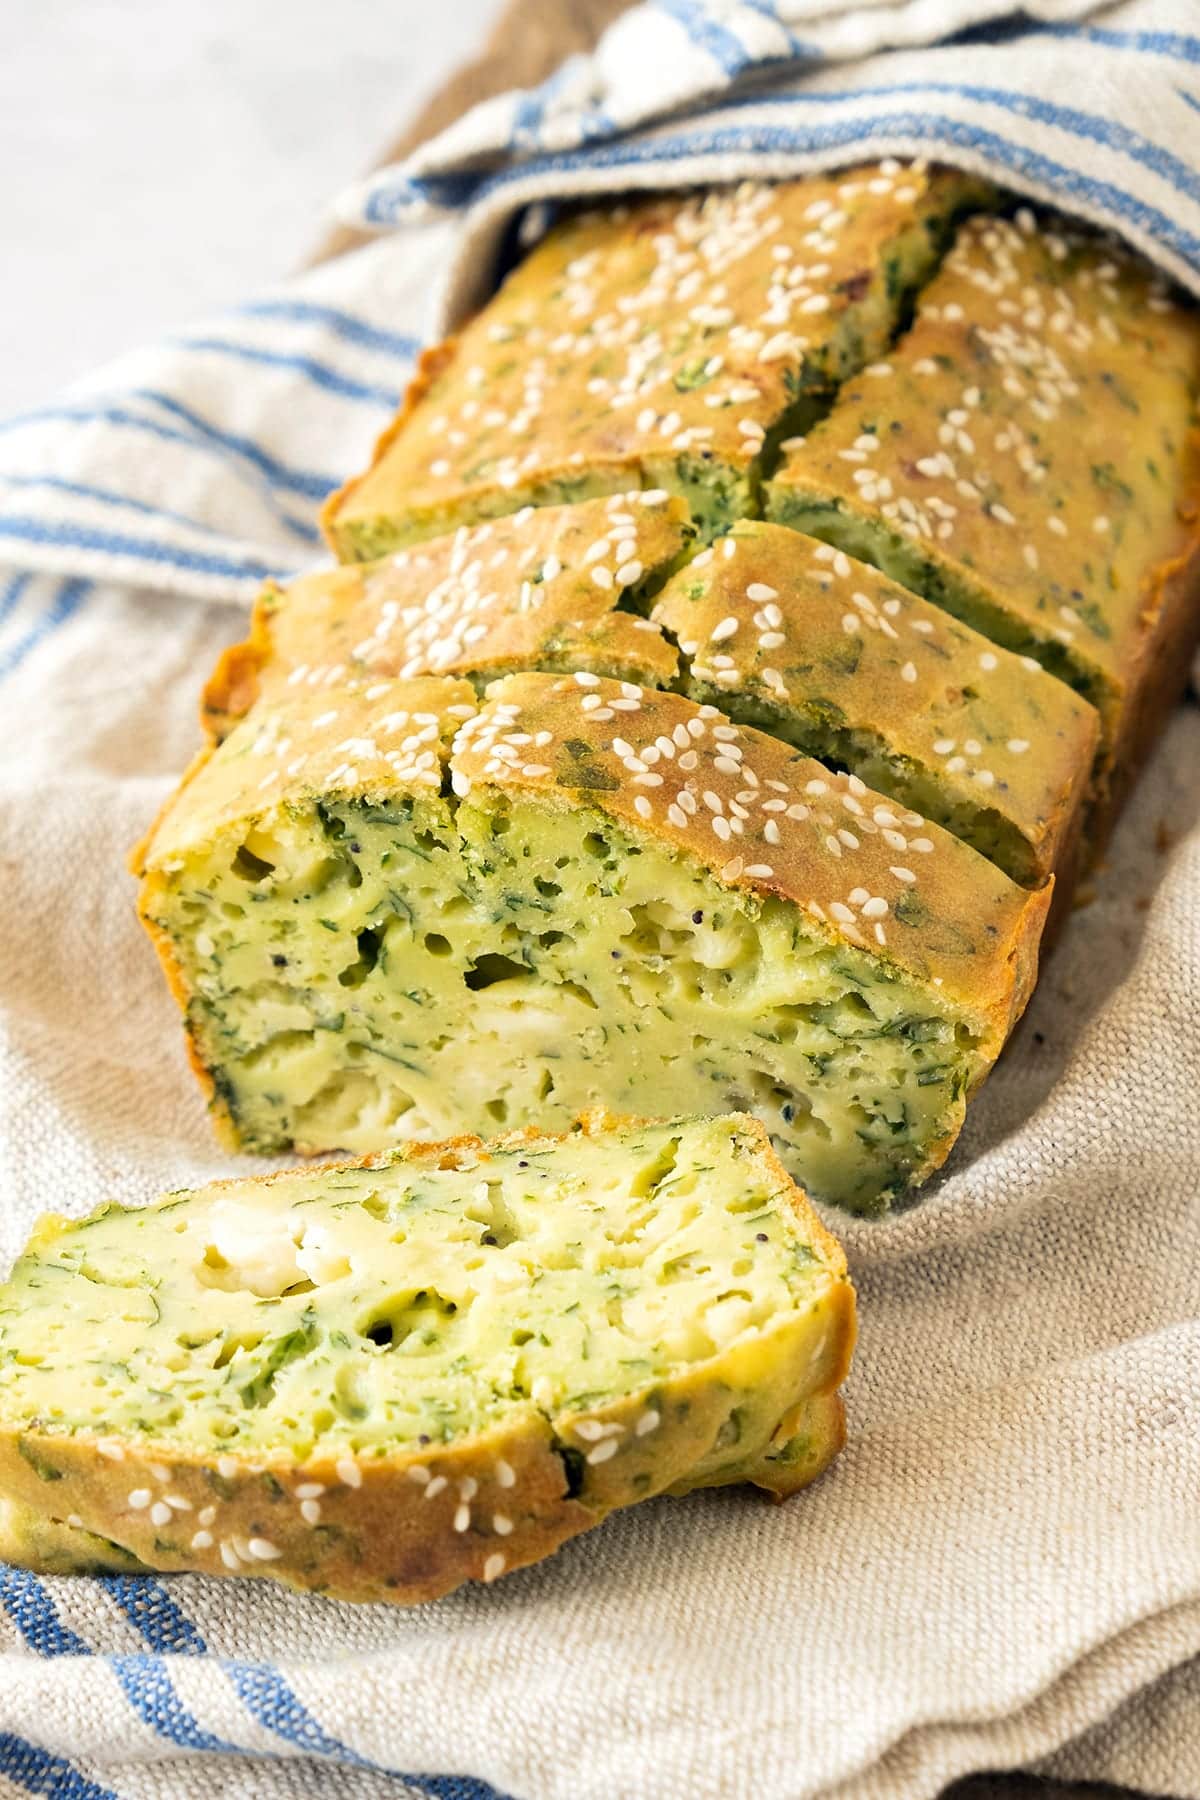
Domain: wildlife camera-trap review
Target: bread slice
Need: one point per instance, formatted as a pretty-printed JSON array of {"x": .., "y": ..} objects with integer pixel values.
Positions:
[
  {"x": 598, "y": 895},
  {"x": 380, "y": 1380},
  {"x": 1029, "y": 460},
  {"x": 665, "y": 343},
  {"x": 557, "y": 588},
  {"x": 797, "y": 638}
]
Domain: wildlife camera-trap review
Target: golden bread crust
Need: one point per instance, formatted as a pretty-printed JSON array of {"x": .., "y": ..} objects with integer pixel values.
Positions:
[
  {"x": 1032, "y": 444},
  {"x": 538, "y": 589},
  {"x": 638, "y": 337},
  {"x": 797, "y": 627}
]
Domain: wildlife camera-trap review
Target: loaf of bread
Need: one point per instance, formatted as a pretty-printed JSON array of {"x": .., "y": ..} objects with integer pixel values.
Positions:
[
  {"x": 383, "y": 909},
  {"x": 670, "y": 343},
  {"x": 1028, "y": 459},
  {"x": 598, "y": 787},
  {"x": 378, "y": 1381}
]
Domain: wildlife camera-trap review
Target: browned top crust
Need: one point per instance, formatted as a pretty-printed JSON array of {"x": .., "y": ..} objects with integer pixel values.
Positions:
[
  {"x": 538, "y": 589},
  {"x": 386, "y": 737},
  {"x": 1032, "y": 437},
  {"x": 799, "y": 628},
  {"x": 638, "y": 334}
]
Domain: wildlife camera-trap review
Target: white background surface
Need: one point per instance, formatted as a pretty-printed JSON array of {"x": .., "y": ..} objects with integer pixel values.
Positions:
[{"x": 159, "y": 160}]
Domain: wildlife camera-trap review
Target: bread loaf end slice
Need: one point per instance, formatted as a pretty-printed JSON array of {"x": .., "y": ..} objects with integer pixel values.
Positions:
[{"x": 378, "y": 1381}]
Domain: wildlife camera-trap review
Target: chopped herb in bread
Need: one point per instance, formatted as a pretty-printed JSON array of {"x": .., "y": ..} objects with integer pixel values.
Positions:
[
  {"x": 598, "y": 895},
  {"x": 379, "y": 1381}
]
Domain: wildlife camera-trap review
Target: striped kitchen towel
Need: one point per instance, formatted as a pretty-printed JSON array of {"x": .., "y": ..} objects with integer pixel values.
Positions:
[
  {"x": 198, "y": 466},
  {"x": 1004, "y": 1568}
]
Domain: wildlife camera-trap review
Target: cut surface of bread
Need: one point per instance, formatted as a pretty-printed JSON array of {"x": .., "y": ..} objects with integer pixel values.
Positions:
[
  {"x": 798, "y": 639},
  {"x": 597, "y": 895},
  {"x": 379, "y": 1381},
  {"x": 664, "y": 343},
  {"x": 1028, "y": 460}
]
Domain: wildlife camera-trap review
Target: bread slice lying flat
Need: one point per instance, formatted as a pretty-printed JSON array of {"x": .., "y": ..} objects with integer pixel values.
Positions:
[
  {"x": 395, "y": 912},
  {"x": 380, "y": 1380}
]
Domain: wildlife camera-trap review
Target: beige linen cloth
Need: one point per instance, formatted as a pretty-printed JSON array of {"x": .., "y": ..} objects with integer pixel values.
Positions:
[{"x": 1002, "y": 1570}]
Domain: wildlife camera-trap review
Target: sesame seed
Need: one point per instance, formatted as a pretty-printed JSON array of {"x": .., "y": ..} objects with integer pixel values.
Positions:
[
  {"x": 649, "y": 1421},
  {"x": 603, "y": 1451},
  {"x": 908, "y": 672},
  {"x": 140, "y": 1498},
  {"x": 988, "y": 660},
  {"x": 494, "y": 1566},
  {"x": 1018, "y": 746},
  {"x": 505, "y": 1474},
  {"x": 310, "y": 1512},
  {"x": 206, "y": 1516},
  {"x": 263, "y": 1549},
  {"x": 160, "y": 1513},
  {"x": 348, "y": 1472},
  {"x": 501, "y": 1524},
  {"x": 202, "y": 1540},
  {"x": 724, "y": 630},
  {"x": 437, "y": 1486}
]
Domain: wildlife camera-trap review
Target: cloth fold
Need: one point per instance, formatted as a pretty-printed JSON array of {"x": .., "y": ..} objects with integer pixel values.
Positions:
[{"x": 1004, "y": 1567}]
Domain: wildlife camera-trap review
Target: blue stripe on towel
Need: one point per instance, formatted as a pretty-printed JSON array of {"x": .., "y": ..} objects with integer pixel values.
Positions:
[
  {"x": 108, "y": 413},
  {"x": 341, "y": 323},
  {"x": 38, "y": 1772},
  {"x": 12, "y": 594},
  {"x": 1070, "y": 184},
  {"x": 68, "y": 535},
  {"x": 319, "y": 373},
  {"x": 297, "y": 481},
  {"x": 66, "y": 603},
  {"x": 143, "y": 1679},
  {"x": 84, "y": 490}
]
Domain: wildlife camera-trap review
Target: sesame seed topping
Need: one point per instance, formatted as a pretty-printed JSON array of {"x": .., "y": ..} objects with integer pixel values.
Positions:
[
  {"x": 603, "y": 1451},
  {"x": 348, "y": 1472},
  {"x": 263, "y": 1550},
  {"x": 494, "y": 1566}
]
